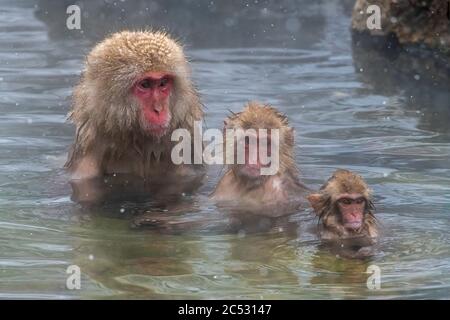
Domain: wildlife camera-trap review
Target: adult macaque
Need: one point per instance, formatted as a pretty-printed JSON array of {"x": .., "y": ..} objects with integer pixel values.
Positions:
[
  {"x": 267, "y": 176},
  {"x": 345, "y": 209},
  {"x": 135, "y": 90}
]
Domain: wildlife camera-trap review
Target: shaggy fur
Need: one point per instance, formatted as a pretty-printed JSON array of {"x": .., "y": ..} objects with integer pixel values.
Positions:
[{"x": 110, "y": 127}]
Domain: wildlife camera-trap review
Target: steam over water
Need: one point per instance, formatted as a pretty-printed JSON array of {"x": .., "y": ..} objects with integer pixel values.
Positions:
[{"x": 351, "y": 108}]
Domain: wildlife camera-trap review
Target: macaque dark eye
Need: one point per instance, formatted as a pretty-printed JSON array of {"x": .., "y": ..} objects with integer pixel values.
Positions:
[
  {"x": 145, "y": 84},
  {"x": 164, "y": 82},
  {"x": 345, "y": 201},
  {"x": 360, "y": 200}
]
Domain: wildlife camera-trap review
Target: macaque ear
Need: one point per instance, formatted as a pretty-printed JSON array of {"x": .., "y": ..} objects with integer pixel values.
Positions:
[{"x": 315, "y": 199}]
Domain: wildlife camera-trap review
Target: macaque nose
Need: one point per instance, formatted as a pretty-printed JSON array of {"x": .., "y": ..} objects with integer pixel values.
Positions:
[
  {"x": 355, "y": 215},
  {"x": 157, "y": 108}
]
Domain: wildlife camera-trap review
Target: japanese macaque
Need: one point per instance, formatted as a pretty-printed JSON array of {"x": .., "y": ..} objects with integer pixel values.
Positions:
[
  {"x": 135, "y": 90},
  {"x": 268, "y": 174},
  {"x": 345, "y": 208},
  {"x": 260, "y": 186}
]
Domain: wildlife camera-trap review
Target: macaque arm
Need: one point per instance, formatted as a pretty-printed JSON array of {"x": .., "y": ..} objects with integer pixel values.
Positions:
[
  {"x": 86, "y": 167},
  {"x": 88, "y": 191}
]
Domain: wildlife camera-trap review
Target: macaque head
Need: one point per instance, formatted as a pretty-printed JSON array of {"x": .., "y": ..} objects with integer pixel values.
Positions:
[
  {"x": 343, "y": 202},
  {"x": 258, "y": 142},
  {"x": 137, "y": 82}
]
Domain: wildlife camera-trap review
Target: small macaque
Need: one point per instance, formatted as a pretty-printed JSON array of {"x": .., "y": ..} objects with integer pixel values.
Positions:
[
  {"x": 260, "y": 187},
  {"x": 135, "y": 90},
  {"x": 345, "y": 209},
  {"x": 264, "y": 173}
]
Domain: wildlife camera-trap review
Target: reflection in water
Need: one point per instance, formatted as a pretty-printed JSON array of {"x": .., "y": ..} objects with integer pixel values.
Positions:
[
  {"x": 124, "y": 263},
  {"x": 348, "y": 276},
  {"x": 158, "y": 266},
  {"x": 343, "y": 117},
  {"x": 121, "y": 187}
]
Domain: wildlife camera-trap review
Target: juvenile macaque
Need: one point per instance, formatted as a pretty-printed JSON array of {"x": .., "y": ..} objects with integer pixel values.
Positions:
[
  {"x": 345, "y": 209},
  {"x": 268, "y": 174},
  {"x": 135, "y": 90},
  {"x": 255, "y": 194}
]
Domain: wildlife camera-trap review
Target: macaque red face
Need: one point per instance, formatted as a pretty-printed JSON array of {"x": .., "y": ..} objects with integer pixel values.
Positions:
[
  {"x": 153, "y": 92},
  {"x": 351, "y": 208}
]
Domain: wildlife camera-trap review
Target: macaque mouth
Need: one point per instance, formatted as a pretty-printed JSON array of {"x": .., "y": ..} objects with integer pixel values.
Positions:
[
  {"x": 158, "y": 130},
  {"x": 251, "y": 170},
  {"x": 355, "y": 225}
]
